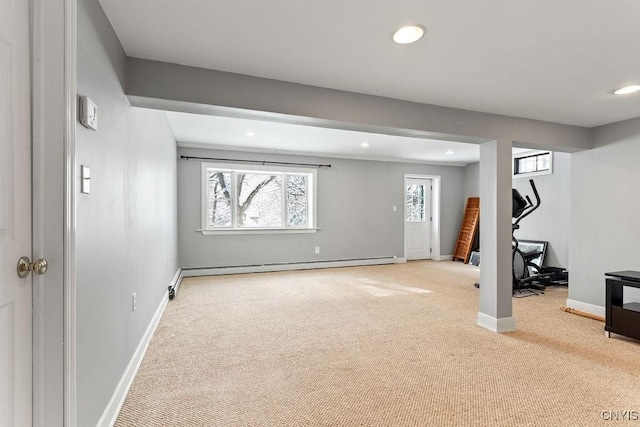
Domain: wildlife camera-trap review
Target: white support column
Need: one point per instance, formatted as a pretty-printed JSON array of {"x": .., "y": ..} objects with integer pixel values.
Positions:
[{"x": 495, "y": 310}]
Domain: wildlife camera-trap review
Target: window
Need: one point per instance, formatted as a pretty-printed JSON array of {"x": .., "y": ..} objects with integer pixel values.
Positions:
[
  {"x": 258, "y": 199},
  {"x": 415, "y": 203},
  {"x": 532, "y": 163}
]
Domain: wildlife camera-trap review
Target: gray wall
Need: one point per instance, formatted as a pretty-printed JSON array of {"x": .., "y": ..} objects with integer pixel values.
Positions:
[
  {"x": 605, "y": 201},
  {"x": 472, "y": 180},
  {"x": 355, "y": 200},
  {"x": 551, "y": 221},
  {"x": 126, "y": 228}
]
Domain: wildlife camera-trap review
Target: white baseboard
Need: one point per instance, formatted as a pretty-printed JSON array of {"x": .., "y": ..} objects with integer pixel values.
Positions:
[
  {"x": 503, "y": 324},
  {"x": 112, "y": 410},
  {"x": 586, "y": 307},
  {"x": 445, "y": 258},
  {"x": 214, "y": 271}
]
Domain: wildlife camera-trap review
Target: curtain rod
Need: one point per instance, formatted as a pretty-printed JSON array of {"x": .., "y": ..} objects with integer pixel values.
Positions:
[{"x": 262, "y": 162}]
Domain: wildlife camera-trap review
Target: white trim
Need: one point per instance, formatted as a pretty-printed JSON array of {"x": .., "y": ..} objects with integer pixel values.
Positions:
[
  {"x": 435, "y": 213},
  {"x": 445, "y": 258},
  {"x": 69, "y": 239},
  {"x": 234, "y": 168},
  {"x": 503, "y": 324},
  {"x": 241, "y": 269},
  {"x": 38, "y": 212},
  {"x": 400, "y": 260},
  {"x": 235, "y": 231},
  {"x": 586, "y": 307},
  {"x": 112, "y": 410}
]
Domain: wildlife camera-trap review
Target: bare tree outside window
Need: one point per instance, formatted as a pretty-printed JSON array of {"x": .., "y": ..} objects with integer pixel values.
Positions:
[
  {"x": 260, "y": 199},
  {"x": 415, "y": 203},
  {"x": 219, "y": 200},
  {"x": 297, "y": 201}
]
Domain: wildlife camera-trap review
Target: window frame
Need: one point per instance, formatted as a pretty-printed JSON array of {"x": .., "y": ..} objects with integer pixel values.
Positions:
[
  {"x": 234, "y": 169},
  {"x": 532, "y": 153}
]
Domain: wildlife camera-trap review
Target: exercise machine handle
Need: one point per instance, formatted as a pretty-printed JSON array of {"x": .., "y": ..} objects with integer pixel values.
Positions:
[
  {"x": 535, "y": 192},
  {"x": 533, "y": 207}
]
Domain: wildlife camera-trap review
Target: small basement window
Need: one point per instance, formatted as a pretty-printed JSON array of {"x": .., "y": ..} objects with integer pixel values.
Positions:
[{"x": 532, "y": 163}]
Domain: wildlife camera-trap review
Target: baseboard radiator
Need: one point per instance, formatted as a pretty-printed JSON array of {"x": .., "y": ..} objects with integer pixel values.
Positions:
[{"x": 283, "y": 266}]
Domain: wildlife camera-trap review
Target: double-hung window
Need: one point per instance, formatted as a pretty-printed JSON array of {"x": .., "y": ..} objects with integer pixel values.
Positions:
[{"x": 257, "y": 198}]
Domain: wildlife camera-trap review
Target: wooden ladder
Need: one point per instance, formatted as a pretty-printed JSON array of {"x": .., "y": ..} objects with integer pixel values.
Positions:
[{"x": 468, "y": 230}]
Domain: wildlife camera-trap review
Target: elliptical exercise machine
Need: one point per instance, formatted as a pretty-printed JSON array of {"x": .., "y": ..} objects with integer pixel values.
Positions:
[{"x": 526, "y": 274}]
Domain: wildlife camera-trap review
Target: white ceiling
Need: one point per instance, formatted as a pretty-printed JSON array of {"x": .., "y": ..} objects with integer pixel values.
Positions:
[
  {"x": 193, "y": 130},
  {"x": 556, "y": 61}
]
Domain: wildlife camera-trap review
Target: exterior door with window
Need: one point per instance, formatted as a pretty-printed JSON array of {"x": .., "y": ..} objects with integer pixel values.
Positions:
[
  {"x": 417, "y": 239},
  {"x": 15, "y": 214}
]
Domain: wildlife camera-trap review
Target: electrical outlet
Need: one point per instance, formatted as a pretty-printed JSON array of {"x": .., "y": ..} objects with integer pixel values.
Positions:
[
  {"x": 133, "y": 302},
  {"x": 317, "y": 250},
  {"x": 395, "y": 208}
]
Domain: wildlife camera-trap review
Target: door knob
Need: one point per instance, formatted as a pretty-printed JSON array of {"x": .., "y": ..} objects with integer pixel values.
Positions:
[{"x": 25, "y": 266}]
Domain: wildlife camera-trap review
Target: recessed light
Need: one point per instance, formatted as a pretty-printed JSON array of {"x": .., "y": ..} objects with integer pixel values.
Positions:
[
  {"x": 450, "y": 152},
  {"x": 409, "y": 34},
  {"x": 249, "y": 133},
  {"x": 364, "y": 144},
  {"x": 627, "y": 90}
]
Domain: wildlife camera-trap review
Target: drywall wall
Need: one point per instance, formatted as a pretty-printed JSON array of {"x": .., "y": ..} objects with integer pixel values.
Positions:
[
  {"x": 355, "y": 215},
  {"x": 126, "y": 236},
  {"x": 472, "y": 180},
  {"x": 604, "y": 210},
  {"x": 551, "y": 221}
]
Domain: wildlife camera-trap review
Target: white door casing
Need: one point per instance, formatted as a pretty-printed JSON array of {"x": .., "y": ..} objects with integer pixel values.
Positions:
[
  {"x": 15, "y": 214},
  {"x": 417, "y": 218}
]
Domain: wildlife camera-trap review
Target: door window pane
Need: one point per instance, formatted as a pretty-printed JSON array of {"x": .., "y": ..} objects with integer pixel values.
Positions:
[{"x": 415, "y": 203}]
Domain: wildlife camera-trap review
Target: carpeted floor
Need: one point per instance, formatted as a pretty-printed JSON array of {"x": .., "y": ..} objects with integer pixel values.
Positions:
[{"x": 394, "y": 345}]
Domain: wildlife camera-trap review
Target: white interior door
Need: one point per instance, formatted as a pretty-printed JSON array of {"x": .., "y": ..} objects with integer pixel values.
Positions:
[
  {"x": 417, "y": 239},
  {"x": 15, "y": 214}
]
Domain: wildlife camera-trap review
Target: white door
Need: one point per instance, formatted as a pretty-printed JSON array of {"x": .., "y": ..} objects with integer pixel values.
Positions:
[
  {"x": 417, "y": 239},
  {"x": 15, "y": 213}
]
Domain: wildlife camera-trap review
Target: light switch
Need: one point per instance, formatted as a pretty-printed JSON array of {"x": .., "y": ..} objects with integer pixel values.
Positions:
[
  {"x": 88, "y": 113},
  {"x": 85, "y": 179}
]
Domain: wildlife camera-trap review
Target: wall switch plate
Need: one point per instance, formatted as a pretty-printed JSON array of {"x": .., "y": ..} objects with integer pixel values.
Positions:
[
  {"x": 317, "y": 250},
  {"x": 134, "y": 303},
  {"x": 88, "y": 113},
  {"x": 85, "y": 179}
]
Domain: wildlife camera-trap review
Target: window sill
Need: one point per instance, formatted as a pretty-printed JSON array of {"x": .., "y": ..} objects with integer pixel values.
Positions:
[
  {"x": 532, "y": 174},
  {"x": 258, "y": 231}
]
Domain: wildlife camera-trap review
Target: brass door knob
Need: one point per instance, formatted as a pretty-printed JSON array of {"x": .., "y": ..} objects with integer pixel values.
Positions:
[{"x": 25, "y": 266}]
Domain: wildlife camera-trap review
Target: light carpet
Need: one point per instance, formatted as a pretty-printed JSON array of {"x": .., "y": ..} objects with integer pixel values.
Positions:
[{"x": 393, "y": 345}]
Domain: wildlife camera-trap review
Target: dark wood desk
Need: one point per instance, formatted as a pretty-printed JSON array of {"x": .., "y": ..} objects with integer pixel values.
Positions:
[{"x": 622, "y": 318}]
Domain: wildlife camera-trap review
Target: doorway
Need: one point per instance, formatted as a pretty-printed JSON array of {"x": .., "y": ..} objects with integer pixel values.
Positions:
[{"x": 417, "y": 218}]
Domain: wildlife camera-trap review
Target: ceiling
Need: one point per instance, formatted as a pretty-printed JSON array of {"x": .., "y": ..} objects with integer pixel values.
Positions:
[
  {"x": 193, "y": 130},
  {"x": 539, "y": 59}
]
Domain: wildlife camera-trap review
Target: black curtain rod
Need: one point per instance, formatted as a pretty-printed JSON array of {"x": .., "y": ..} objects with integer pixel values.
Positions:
[{"x": 262, "y": 162}]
